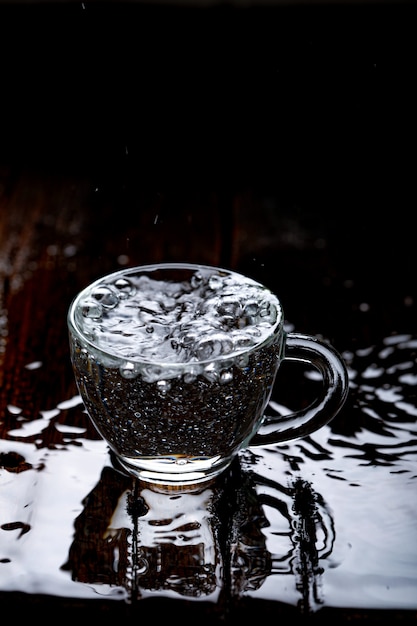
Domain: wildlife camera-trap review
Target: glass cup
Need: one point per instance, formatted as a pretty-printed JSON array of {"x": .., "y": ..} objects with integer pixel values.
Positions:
[{"x": 176, "y": 363}]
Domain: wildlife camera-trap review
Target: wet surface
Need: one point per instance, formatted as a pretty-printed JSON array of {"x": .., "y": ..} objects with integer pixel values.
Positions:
[{"x": 327, "y": 521}]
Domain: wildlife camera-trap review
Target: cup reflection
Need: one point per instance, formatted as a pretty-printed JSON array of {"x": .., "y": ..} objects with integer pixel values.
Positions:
[{"x": 206, "y": 542}]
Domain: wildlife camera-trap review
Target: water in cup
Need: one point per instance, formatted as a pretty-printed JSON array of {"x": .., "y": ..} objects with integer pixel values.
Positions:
[
  {"x": 192, "y": 361},
  {"x": 175, "y": 364}
]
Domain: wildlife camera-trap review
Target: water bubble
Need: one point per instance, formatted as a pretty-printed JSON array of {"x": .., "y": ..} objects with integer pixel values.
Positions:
[
  {"x": 207, "y": 348},
  {"x": 91, "y": 310},
  {"x": 251, "y": 308},
  {"x": 196, "y": 280},
  {"x": 242, "y": 361},
  {"x": 128, "y": 370},
  {"x": 253, "y": 332},
  {"x": 191, "y": 374},
  {"x": 169, "y": 304},
  {"x": 229, "y": 306},
  {"x": 215, "y": 282},
  {"x": 211, "y": 373},
  {"x": 214, "y": 345},
  {"x": 187, "y": 305},
  {"x": 124, "y": 288},
  {"x": 105, "y": 296},
  {"x": 226, "y": 377},
  {"x": 163, "y": 386},
  {"x": 155, "y": 373},
  {"x": 188, "y": 339},
  {"x": 227, "y": 322},
  {"x": 265, "y": 309},
  {"x": 268, "y": 312},
  {"x": 242, "y": 341}
]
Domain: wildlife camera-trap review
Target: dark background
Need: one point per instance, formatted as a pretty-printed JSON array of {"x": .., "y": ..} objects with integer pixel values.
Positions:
[{"x": 294, "y": 122}]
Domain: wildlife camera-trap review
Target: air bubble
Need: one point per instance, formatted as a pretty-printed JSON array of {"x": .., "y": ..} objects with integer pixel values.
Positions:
[
  {"x": 251, "y": 308},
  {"x": 128, "y": 370},
  {"x": 226, "y": 377},
  {"x": 242, "y": 360},
  {"x": 265, "y": 309},
  {"x": 241, "y": 342},
  {"x": 105, "y": 296},
  {"x": 124, "y": 288},
  {"x": 92, "y": 310},
  {"x": 196, "y": 280},
  {"x": 215, "y": 282},
  {"x": 153, "y": 373},
  {"x": 211, "y": 373},
  {"x": 207, "y": 349},
  {"x": 163, "y": 386},
  {"x": 169, "y": 304},
  {"x": 229, "y": 306},
  {"x": 191, "y": 374}
]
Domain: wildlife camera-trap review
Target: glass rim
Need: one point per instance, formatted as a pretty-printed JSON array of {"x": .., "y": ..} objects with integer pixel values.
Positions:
[{"x": 277, "y": 328}]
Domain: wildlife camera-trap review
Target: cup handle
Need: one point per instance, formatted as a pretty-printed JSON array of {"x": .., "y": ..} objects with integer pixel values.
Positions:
[{"x": 308, "y": 349}]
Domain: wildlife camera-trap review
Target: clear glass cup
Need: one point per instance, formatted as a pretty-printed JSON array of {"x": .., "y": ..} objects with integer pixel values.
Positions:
[{"x": 176, "y": 363}]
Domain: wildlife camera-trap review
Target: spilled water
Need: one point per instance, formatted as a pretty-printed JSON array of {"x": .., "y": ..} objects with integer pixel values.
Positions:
[{"x": 329, "y": 520}]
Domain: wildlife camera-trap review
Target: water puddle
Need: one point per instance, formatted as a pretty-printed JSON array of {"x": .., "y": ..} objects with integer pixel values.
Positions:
[{"x": 327, "y": 521}]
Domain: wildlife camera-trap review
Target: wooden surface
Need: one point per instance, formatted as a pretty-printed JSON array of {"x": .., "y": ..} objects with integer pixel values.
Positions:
[{"x": 273, "y": 142}]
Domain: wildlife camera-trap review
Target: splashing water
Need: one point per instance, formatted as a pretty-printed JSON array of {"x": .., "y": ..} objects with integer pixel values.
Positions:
[{"x": 199, "y": 318}]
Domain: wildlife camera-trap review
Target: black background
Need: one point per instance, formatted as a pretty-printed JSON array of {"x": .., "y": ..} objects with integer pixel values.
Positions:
[{"x": 310, "y": 105}]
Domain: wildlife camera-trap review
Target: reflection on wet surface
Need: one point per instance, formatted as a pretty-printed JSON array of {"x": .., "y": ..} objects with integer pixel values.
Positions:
[{"x": 330, "y": 520}]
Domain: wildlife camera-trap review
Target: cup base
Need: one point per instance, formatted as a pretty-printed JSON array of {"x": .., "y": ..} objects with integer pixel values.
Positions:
[{"x": 173, "y": 472}]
